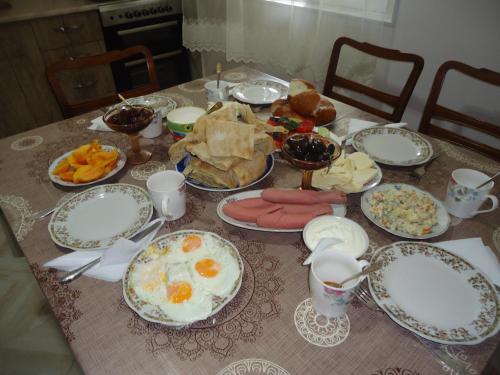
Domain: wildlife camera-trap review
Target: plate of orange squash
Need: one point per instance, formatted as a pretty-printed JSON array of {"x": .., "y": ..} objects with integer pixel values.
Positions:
[{"x": 87, "y": 164}]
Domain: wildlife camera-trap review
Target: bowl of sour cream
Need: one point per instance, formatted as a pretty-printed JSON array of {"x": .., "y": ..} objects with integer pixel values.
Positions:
[{"x": 354, "y": 237}]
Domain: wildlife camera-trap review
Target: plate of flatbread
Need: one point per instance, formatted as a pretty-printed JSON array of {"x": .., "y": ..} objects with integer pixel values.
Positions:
[{"x": 227, "y": 150}]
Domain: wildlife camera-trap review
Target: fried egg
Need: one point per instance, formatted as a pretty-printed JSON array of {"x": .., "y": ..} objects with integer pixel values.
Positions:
[
  {"x": 170, "y": 287},
  {"x": 215, "y": 271},
  {"x": 184, "y": 248}
]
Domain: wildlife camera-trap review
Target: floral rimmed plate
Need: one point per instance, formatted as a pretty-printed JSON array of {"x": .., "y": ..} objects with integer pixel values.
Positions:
[
  {"x": 122, "y": 159},
  {"x": 97, "y": 217},
  {"x": 259, "y": 92},
  {"x": 152, "y": 312},
  {"x": 443, "y": 219},
  {"x": 180, "y": 166},
  {"x": 393, "y": 146},
  {"x": 339, "y": 210},
  {"x": 435, "y": 294}
]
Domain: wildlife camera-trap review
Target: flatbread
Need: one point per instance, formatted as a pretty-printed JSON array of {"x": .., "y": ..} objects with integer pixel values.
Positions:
[
  {"x": 209, "y": 175},
  {"x": 248, "y": 171},
  {"x": 201, "y": 151},
  {"x": 229, "y": 138}
]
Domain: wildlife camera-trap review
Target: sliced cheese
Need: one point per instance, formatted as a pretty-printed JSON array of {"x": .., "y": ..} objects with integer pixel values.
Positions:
[
  {"x": 363, "y": 176},
  {"x": 361, "y": 160}
]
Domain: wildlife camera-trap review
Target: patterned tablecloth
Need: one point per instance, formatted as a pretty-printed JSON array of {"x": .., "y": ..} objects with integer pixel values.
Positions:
[{"x": 269, "y": 327}]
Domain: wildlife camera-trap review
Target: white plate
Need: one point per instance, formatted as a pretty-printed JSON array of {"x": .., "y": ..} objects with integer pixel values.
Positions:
[
  {"x": 158, "y": 102},
  {"x": 259, "y": 92},
  {"x": 393, "y": 146},
  {"x": 122, "y": 159},
  {"x": 338, "y": 209},
  {"x": 180, "y": 166},
  {"x": 443, "y": 219},
  {"x": 435, "y": 294},
  {"x": 97, "y": 217},
  {"x": 152, "y": 312}
]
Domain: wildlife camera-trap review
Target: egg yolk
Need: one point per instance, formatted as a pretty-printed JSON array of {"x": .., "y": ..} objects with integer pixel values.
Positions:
[
  {"x": 179, "y": 292},
  {"x": 207, "y": 267},
  {"x": 191, "y": 243}
]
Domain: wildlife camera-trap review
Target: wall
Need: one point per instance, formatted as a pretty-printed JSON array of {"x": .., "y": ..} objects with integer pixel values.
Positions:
[{"x": 464, "y": 30}]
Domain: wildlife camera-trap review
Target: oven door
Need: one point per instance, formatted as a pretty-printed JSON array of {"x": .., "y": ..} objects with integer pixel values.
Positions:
[{"x": 163, "y": 37}]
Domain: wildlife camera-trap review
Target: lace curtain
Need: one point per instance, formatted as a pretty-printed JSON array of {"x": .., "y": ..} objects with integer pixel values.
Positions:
[{"x": 286, "y": 36}]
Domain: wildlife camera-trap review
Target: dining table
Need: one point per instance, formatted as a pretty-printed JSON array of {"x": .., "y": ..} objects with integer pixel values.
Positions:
[{"x": 269, "y": 327}]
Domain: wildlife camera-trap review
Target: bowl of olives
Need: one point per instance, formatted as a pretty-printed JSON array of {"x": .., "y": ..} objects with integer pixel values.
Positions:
[{"x": 309, "y": 152}]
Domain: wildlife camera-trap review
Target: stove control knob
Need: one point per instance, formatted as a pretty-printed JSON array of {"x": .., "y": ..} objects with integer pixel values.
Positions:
[
  {"x": 152, "y": 11},
  {"x": 145, "y": 12},
  {"x": 161, "y": 10},
  {"x": 169, "y": 8},
  {"x": 137, "y": 13},
  {"x": 128, "y": 14}
]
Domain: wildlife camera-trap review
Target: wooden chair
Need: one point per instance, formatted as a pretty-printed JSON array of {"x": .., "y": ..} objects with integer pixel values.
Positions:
[
  {"x": 105, "y": 59},
  {"x": 397, "y": 102},
  {"x": 462, "y": 120}
]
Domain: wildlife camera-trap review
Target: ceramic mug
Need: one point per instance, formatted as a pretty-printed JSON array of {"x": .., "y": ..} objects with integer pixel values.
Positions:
[
  {"x": 333, "y": 265},
  {"x": 215, "y": 94},
  {"x": 168, "y": 192},
  {"x": 154, "y": 129},
  {"x": 463, "y": 199}
]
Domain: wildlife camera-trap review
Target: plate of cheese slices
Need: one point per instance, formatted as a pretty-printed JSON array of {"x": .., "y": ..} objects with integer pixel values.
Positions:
[{"x": 351, "y": 173}]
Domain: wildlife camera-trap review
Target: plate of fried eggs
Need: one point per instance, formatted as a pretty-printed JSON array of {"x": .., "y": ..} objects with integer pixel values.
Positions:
[{"x": 183, "y": 277}]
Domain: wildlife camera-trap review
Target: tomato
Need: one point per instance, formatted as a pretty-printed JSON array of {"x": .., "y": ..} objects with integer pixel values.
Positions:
[{"x": 306, "y": 126}]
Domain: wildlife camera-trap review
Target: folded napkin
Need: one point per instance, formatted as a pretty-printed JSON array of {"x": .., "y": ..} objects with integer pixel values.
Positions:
[
  {"x": 474, "y": 251},
  {"x": 98, "y": 124},
  {"x": 114, "y": 260}
]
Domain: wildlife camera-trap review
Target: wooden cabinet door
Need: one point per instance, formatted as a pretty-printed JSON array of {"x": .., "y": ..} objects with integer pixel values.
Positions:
[
  {"x": 50, "y": 33},
  {"x": 15, "y": 112},
  {"x": 83, "y": 27},
  {"x": 20, "y": 48}
]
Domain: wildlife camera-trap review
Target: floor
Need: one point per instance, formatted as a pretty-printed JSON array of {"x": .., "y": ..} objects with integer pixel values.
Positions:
[{"x": 31, "y": 342}]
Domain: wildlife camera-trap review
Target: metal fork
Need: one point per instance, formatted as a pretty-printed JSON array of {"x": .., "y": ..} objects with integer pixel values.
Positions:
[
  {"x": 437, "y": 350},
  {"x": 42, "y": 213}
]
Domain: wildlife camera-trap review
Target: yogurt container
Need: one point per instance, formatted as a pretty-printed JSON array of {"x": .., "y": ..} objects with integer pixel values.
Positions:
[{"x": 354, "y": 236}]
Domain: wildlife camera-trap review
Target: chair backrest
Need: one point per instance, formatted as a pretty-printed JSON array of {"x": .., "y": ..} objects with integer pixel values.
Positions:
[
  {"x": 436, "y": 111},
  {"x": 107, "y": 58},
  {"x": 397, "y": 102}
]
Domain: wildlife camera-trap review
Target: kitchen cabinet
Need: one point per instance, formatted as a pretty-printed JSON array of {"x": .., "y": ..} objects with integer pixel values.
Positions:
[{"x": 27, "y": 47}]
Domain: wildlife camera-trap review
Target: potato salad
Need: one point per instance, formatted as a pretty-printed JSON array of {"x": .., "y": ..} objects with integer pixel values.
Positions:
[{"x": 404, "y": 210}]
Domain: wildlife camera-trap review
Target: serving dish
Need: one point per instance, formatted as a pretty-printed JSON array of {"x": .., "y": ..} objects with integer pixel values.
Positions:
[
  {"x": 434, "y": 293},
  {"x": 259, "y": 92},
  {"x": 152, "y": 312},
  {"x": 393, "y": 146},
  {"x": 338, "y": 210},
  {"x": 122, "y": 159},
  {"x": 180, "y": 166},
  {"x": 443, "y": 219},
  {"x": 97, "y": 217}
]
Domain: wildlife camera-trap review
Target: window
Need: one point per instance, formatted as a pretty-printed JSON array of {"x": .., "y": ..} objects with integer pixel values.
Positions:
[{"x": 379, "y": 10}]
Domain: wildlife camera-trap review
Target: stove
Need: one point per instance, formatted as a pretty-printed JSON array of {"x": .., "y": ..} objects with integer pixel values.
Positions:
[{"x": 156, "y": 24}]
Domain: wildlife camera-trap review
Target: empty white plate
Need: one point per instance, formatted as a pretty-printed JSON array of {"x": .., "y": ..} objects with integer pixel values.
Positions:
[{"x": 259, "y": 92}]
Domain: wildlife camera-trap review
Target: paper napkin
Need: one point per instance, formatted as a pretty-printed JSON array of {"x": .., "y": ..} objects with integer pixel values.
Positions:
[
  {"x": 98, "y": 124},
  {"x": 114, "y": 260},
  {"x": 474, "y": 251}
]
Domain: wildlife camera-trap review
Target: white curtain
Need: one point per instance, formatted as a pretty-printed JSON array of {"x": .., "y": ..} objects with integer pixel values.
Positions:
[{"x": 293, "y": 38}]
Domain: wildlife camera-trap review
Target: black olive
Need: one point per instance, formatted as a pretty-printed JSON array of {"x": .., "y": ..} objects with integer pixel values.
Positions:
[
  {"x": 317, "y": 146},
  {"x": 330, "y": 149},
  {"x": 303, "y": 141}
]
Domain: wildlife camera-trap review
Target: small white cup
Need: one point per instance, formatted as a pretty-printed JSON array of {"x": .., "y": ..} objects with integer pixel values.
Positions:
[
  {"x": 154, "y": 129},
  {"x": 168, "y": 192},
  {"x": 462, "y": 197},
  {"x": 215, "y": 94},
  {"x": 334, "y": 265}
]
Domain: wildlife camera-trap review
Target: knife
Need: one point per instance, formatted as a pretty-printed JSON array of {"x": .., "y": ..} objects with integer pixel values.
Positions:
[{"x": 74, "y": 274}]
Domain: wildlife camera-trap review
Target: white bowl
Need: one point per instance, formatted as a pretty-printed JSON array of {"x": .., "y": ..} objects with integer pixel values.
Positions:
[{"x": 354, "y": 236}]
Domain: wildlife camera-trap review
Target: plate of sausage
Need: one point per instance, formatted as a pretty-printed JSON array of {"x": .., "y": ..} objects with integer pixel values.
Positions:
[{"x": 280, "y": 210}]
